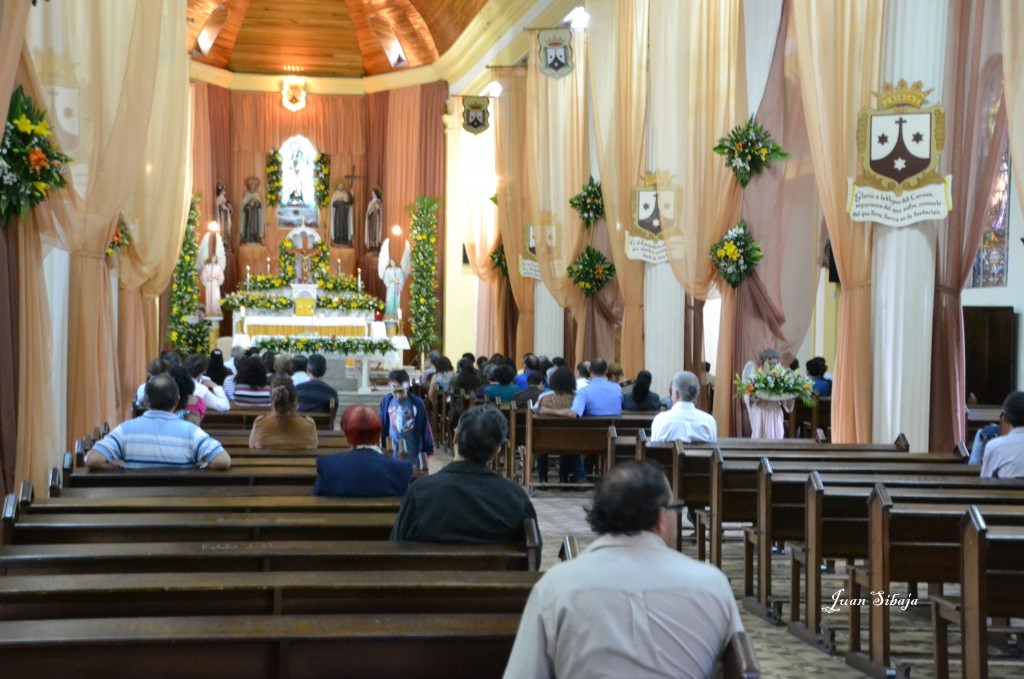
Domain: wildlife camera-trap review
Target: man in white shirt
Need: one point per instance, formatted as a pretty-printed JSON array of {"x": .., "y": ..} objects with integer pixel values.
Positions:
[
  {"x": 1004, "y": 455},
  {"x": 208, "y": 390},
  {"x": 683, "y": 421},
  {"x": 300, "y": 365},
  {"x": 629, "y": 606}
]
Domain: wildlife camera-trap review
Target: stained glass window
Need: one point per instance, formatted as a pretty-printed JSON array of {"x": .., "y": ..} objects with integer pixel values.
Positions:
[{"x": 991, "y": 263}]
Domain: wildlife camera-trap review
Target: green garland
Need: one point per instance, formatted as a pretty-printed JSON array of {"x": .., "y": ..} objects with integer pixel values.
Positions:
[
  {"x": 324, "y": 345},
  {"x": 591, "y": 271},
  {"x": 589, "y": 202},
  {"x": 748, "y": 150},
  {"x": 498, "y": 257},
  {"x": 423, "y": 275},
  {"x": 275, "y": 180},
  {"x": 735, "y": 254},
  {"x": 262, "y": 282},
  {"x": 253, "y": 300},
  {"x": 29, "y": 164},
  {"x": 122, "y": 237},
  {"x": 359, "y": 301},
  {"x": 187, "y": 338},
  {"x": 322, "y": 179}
]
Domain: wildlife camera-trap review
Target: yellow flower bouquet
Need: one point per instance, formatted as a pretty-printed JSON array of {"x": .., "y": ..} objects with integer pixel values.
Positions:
[{"x": 736, "y": 254}]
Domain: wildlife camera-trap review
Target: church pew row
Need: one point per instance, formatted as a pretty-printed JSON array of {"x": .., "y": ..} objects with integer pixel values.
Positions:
[
  {"x": 908, "y": 542},
  {"x": 836, "y": 527},
  {"x": 243, "y": 418},
  {"x": 551, "y": 435},
  {"x": 431, "y": 646},
  {"x": 41, "y": 597},
  {"x": 734, "y": 483},
  {"x": 991, "y": 585},
  {"x": 244, "y": 476}
]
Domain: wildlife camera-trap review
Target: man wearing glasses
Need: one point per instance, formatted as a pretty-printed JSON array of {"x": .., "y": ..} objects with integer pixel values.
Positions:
[
  {"x": 1004, "y": 456},
  {"x": 629, "y": 606}
]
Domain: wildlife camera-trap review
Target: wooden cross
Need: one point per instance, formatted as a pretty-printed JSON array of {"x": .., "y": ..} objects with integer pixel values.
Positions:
[{"x": 352, "y": 179}]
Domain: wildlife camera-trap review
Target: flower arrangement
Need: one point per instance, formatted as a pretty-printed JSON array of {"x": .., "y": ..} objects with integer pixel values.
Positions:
[
  {"x": 775, "y": 384},
  {"x": 275, "y": 180},
  {"x": 748, "y": 150},
  {"x": 338, "y": 283},
  {"x": 252, "y": 300},
  {"x": 286, "y": 260},
  {"x": 264, "y": 281},
  {"x": 736, "y": 254},
  {"x": 320, "y": 261},
  {"x": 122, "y": 237},
  {"x": 589, "y": 202},
  {"x": 498, "y": 257},
  {"x": 185, "y": 336},
  {"x": 324, "y": 345},
  {"x": 322, "y": 179},
  {"x": 355, "y": 302},
  {"x": 29, "y": 164},
  {"x": 423, "y": 275},
  {"x": 591, "y": 271}
]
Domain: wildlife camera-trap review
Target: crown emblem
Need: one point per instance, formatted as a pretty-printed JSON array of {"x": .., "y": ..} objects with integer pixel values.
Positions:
[{"x": 901, "y": 95}]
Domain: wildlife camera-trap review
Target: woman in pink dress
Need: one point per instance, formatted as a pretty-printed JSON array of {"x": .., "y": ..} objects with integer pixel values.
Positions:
[{"x": 767, "y": 418}]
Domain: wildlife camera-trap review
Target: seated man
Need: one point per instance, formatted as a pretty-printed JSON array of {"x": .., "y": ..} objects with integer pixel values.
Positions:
[
  {"x": 467, "y": 502},
  {"x": 364, "y": 471},
  {"x": 315, "y": 395},
  {"x": 158, "y": 438},
  {"x": 684, "y": 422},
  {"x": 1004, "y": 456},
  {"x": 816, "y": 368},
  {"x": 600, "y": 397},
  {"x": 535, "y": 387},
  {"x": 629, "y": 606}
]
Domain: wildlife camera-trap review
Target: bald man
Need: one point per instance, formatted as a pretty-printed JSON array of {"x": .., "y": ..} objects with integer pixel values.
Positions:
[{"x": 683, "y": 421}]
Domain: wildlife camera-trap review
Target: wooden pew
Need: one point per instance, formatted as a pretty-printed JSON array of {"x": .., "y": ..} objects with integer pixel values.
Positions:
[
  {"x": 242, "y": 418},
  {"x": 991, "y": 586},
  {"x": 40, "y": 597},
  {"x": 909, "y": 542},
  {"x": 244, "y": 476},
  {"x": 429, "y": 646}
]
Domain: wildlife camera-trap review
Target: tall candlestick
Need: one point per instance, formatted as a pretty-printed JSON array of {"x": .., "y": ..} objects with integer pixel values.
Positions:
[
  {"x": 268, "y": 265},
  {"x": 248, "y": 275}
]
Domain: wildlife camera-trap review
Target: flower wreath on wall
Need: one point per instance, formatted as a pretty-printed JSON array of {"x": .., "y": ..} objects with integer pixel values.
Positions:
[
  {"x": 591, "y": 271},
  {"x": 749, "y": 149},
  {"x": 322, "y": 179},
  {"x": 423, "y": 275},
  {"x": 589, "y": 202},
  {"x": 736, "y": 254},
  {"x": 186, "y": 332},
  {"x": 275, "y": 179},
  {"x": 122, "y": 237},
  {"x": 29, "y": 164}
]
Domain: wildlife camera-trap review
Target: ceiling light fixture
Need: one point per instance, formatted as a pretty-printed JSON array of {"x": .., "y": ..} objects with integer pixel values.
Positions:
[{"x": 578, "y": 19}]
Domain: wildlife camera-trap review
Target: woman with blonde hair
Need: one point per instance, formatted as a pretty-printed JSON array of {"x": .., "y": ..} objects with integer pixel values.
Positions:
[{"x": 283, "y": 427}]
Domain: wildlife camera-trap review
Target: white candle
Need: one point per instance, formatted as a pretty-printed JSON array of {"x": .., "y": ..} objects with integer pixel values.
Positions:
[
  {"x": 248, "y": 276},
  {"x": 399, "y": 313},
  {"x": 360, "y": 271},
  {"x": 339, "y": 266},
  {"x": 268, "y": 265}
]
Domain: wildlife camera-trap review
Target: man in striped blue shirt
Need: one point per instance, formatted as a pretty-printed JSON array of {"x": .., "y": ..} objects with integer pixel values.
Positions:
[{"x": 159, "y": 438}]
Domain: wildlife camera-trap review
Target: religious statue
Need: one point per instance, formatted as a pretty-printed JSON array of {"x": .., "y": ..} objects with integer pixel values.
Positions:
[
  {"x": 341, "y": 215},
  {"x": 374, "y": 218},
  {"x": 294, "y": 189},
  {"x": 252, "y": 212},
  {"x": 210, "y": 264},
  {"x": 224, "y": 211},
  {"x": 393, "y": 275}
]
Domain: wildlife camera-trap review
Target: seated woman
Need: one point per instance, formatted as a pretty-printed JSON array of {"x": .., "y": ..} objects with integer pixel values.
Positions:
[
  {"x": 641, "y": 398},
  {"x": 190, "y": 407},
  {"x": 563, "y": 390},
  {"x": 284, "y": 427},
  {"x": 251, "y": 388},
  {"x": 503, "y": 387},
  {"x": 441, "y": 378},
  {"x": 217, "y": 371},
  {"x": 767, "y": 420},
  {"x": 816, "y": 368},
  {"x": 364, "y": 471}
]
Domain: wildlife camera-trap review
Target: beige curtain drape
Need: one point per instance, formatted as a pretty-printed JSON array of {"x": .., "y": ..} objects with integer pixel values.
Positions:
[
  {"x": 156, "y": 212},
  {"x": 1013, "y": 74},
  {"x": 838, "y": 51},
  {"x": 557, "y": 161},
  {"x": 510, "y": 165},
  {"x": 618, "y": 58},
  {"x": 708, "y": 92}
]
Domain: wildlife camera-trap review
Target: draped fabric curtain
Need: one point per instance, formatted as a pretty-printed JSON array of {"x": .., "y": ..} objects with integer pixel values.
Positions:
[
  {"x": 431, "y": 171},
  {"x": 509, "y": 121},
  {"x": 1013, "y": 73},
  {"x": 974, "y": 153},
  {"x": 838, "y": 52},
  {"x": 111, "y": 91},
  {"x": 774, "y": 304},
  {"x": 203, "y": 181},
  {"x": 709, "y": 94},
  {"x": 618, "y": 57},
  {"x": 557, "y": 162},
  {"x": 156, "y": 211},
  {"x": 475, "y": 184}
]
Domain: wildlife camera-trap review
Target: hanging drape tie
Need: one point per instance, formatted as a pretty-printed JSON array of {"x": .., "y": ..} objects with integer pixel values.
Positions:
[{"x": 947, "y": 290}]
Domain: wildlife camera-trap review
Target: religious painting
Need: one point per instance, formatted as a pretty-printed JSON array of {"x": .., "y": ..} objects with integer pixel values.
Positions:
[
  {"x": 475, "y": 116},
  {"x": 899, "y": 146},
  {"x": 556, "y": 57},
  {"x": 298, "y": 193}
]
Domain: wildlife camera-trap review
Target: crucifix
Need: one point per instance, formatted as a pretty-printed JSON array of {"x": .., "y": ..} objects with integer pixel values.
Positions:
[{"x": 306, "y": 248}]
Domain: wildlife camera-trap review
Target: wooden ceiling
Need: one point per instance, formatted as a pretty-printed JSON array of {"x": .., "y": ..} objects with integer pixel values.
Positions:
[{"x": 330, "y": 38}]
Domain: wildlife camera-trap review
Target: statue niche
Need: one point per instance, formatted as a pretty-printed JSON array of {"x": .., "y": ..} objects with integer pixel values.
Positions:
[{"x": 297, "y": 192}]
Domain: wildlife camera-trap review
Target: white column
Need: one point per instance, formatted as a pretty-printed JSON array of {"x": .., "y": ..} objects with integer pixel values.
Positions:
[
  {"x": 664, "y": 322},
  {"x": 56, "y": 273},
  {"x": 548, "y": 323},
  {"x": 903, "y": 259}
]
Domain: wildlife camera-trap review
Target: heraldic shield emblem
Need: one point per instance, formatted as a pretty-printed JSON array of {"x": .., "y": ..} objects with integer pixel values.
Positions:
[
  {"x": 556, "y": 58},
  {"x": 475, "y": 116}
]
